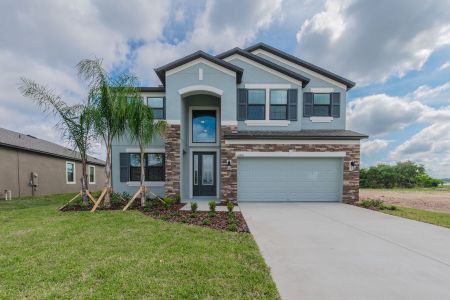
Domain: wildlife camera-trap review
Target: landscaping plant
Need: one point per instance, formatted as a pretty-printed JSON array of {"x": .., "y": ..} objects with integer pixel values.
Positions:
[
  {"x": 75, "y": 121},
  {"x": 212, "y": 206},
  {"x": 194, "y": 207},
  {"x": 230, "y": 206}
]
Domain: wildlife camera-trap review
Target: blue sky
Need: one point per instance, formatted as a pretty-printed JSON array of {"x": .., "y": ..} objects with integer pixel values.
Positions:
[{"x": 398, "y": 53}]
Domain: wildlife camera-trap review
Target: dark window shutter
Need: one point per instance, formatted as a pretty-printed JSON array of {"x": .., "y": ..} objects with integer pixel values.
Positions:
[
  {"x": 164, "y": 108},
  {"x": 124, "y": 167},
  {"x": 335, "y": 105},
  {"x": 241, "y": 104},
  {"x": 292, "y": 104},
  {"x": 307, "y": 104}
]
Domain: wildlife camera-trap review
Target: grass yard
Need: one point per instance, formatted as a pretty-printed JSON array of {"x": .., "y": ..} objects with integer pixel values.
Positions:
[
  {"x": 45, "y": 253},
  {"x": 436, "y": 218}
]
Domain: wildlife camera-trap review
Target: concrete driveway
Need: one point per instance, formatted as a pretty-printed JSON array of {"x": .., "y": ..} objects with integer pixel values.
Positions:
[{"x": 339, "y": 251}]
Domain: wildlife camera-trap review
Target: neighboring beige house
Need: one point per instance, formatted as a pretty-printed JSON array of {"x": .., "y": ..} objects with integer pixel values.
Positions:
[{"x": 30, "y": 166}]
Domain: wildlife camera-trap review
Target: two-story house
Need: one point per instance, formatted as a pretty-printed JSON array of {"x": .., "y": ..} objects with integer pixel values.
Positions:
[{"x": 247, "y": 125}]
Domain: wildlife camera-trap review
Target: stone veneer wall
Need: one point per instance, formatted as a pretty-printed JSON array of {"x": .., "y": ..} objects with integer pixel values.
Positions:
[
  {"x": 172, "y": 159},
  {"x": 229, "y": 178}
]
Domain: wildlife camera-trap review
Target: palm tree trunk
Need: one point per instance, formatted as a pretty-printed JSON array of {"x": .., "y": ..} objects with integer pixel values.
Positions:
[
  {"x": 84, "y": 182},
  {"x": 108, "y": 175},
  {"x": 142, "y": 175}
]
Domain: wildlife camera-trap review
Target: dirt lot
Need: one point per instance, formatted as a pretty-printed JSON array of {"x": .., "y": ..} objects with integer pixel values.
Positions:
[{"x": 432, "y": 200}]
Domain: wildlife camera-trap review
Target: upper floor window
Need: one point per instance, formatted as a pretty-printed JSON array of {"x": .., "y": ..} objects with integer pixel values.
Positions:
[
  {"x": 70, "y": 172},
  {"x": 278, "y": 105},
  {"x": 322, "y": 105},
  {"x": 256, "y": 105},
  {"x": 157, "y": 105},
  {"x": 204, "y": 126}
]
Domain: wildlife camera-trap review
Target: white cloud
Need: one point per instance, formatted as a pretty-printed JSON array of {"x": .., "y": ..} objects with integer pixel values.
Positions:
[
  {"x": 372, "y": 146},
  {"x": 370, "y": 41},
  {"x": 439, "y": 95},
  {"x": 444, "y": 66},
  {"x": 430, "y": 147}
]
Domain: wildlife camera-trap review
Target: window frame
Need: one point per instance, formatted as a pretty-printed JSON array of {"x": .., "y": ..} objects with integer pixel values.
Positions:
[
  {"x": 322, "y": 105},
  {"x": 147, "y": 167},
  {"x": 191, "y": 128},
  {"x": 162, "y": 109},
  {"x": 286, "y": 106},
  {"x": 74, "y": 172},
  {"x": 89, "y": 174},
  {"x": 257, "y": 105}
]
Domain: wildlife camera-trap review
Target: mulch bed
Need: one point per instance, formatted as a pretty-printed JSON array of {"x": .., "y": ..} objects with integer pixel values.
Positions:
[{"x": 221, "y": 220}]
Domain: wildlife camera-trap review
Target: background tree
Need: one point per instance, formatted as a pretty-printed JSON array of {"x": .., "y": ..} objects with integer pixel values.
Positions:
[
  {"x": 74, "y": 122},
  {"x": 109, "y": 96},
  {"x": 142, "y": 128}
]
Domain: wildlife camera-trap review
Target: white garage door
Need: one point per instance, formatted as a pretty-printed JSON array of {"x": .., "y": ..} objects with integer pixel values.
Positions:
[{"x": 289, "y": 179}]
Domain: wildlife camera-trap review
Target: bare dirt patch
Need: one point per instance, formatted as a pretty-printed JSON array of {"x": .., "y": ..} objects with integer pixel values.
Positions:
[{"x": 433, "y": 201}]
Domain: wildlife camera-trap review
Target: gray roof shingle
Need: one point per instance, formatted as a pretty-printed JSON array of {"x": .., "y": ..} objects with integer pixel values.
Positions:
[{"x": 25, "y": 142}]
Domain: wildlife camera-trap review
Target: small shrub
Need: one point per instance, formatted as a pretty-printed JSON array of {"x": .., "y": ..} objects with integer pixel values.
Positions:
[
  {"x": 211, "y": 214},
  {"x": 177, "y": 199},
  {"x": 231, "y": 218},
  {"x": 194, "y": 207},
  {"x": 369, "y": 203},
  {"x": 212, "y": 206},
  {"x": 176, "y": 214},
  {"x": 147, "y": 209},
  {"x": 390, "y": 207},
  {"x": 193, "y": 215},
  {"x": 230, "y": 206},
  {"x": 206, "y": 222},
  {"x": 232, "y": 227}
]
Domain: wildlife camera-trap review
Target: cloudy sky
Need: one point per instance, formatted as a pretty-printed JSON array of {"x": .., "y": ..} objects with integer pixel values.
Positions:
[{"x": 397, "y": 51}]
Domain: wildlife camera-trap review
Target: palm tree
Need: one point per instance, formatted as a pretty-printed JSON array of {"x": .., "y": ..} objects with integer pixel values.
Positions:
[
  {"x": 75, "y": 121},
  {"x": 109, "y": 95},
  {"x": 142, "y": 128}
]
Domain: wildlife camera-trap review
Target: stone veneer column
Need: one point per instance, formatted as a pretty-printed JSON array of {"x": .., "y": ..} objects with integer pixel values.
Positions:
[
  {"x": 350, "y": 190},
  {"x": 172, "y": 160}
]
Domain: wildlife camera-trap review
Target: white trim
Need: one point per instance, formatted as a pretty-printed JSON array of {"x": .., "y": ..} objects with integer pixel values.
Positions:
[
  {"x": 200, "y": 61},
  {"x": 321, "y": 90},
  {"x": 216, "y": 109},
  {"x": 146, "y": 150},
  {"x": 173, "y": 122},
  {"x": 89, "y": 174},
  {"x": 198, "y": 88},
  {"x": 152, "y": 94},
  {"x": 146, "y": 183},
  {"x": 267, "y": 122},
  {"x": 308, "y": 71},
  {"x": 262, "y": 67},
  {"x": 292, "y": 142},
  {"x": 225, "y": 123},
  {"x": 218, "y": 166},
  {"x": 265, "y": 86},
  {"x": 200, "y": 73},
  {"x": 321, "y": 119},
  {"x": 74, "y": 172},
  {"x": 291, "y": 154}
]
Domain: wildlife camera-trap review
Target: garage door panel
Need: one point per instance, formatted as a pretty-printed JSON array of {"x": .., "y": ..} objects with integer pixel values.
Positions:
[{"x": 289, "y": 179}]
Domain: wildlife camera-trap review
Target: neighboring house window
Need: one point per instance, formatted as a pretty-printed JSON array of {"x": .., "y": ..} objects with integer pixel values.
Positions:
[
  {"x": 256, "y": 105},
  {"x": 322, "y": 105},
  {"x": 70, "y": 172},
  {"x": 153, "y": 167},
  {"x": 204, "y": 126},
  {"x": 92, "y": 174},
  {"x": 278, "y": 105},
  {"x": 157, "y": 105}
]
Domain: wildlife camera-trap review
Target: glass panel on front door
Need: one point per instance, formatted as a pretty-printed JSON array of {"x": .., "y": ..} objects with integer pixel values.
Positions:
[{"x": 204, "y": 174}]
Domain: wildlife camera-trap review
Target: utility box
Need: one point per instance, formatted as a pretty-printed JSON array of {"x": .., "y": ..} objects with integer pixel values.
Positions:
[{"x": 34, "y": 181}]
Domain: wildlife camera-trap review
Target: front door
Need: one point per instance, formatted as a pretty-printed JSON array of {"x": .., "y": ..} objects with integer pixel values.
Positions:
[{"x": 204, "y": 174}]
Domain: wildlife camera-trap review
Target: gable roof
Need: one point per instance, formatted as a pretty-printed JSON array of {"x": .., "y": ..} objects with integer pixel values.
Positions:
[
  {"x": 161, "y": 71},
  {"x": 266, "y": 63},
  {"x": 348, "y": 83},
  {"x": 12, "y": 139}
]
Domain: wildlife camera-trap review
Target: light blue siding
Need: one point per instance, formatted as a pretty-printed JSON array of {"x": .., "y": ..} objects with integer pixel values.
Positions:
[
  {"x": 289, "y": 179},
  {"x": 315, "y": 82}
]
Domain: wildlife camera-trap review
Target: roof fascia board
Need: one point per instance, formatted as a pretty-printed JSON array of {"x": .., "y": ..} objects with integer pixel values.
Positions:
[{"x": 198, "y": 61}]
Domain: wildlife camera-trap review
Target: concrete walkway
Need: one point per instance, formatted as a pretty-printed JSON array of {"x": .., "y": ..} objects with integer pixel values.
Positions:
[{"x": 338, "y": 251}]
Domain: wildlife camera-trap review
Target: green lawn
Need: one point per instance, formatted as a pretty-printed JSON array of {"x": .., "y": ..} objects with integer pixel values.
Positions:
[
  {"x": 436, "y": 218},
  {"x": 45, "y": 253}
]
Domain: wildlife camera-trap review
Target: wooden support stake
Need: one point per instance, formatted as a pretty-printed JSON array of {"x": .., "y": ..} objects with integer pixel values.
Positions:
[
  {"x": 76, "y": 196},
  {"x": 90, "y": 196},
  {"x": 132, "y": 199},
  {"x": 99, "y": 199}
]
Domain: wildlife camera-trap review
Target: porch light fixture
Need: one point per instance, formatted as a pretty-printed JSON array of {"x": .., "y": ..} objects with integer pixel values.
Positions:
[
  {"x": 353, "y": 166},
  {"x": 228, "y": 165}
]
